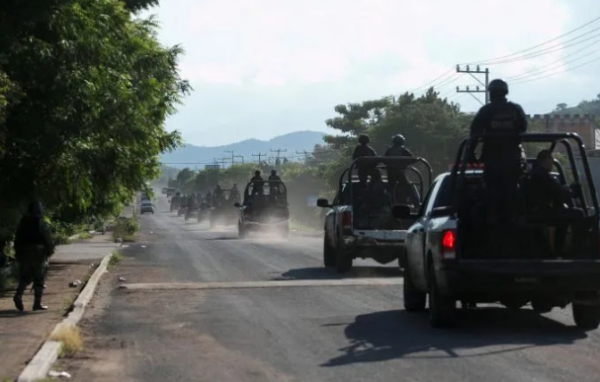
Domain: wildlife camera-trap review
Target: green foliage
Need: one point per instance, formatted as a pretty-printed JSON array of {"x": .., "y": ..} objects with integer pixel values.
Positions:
[
  {"x": 84, "y": 92},
  {"x": 125, "y": 228},
  {"x": 584, "y": 107}
]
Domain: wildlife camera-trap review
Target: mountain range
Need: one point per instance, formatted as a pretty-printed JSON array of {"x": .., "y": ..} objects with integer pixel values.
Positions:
[{"x": 197, "y": 156}]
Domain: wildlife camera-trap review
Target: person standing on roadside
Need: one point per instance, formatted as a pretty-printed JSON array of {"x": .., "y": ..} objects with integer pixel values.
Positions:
[{"x": 33, "y": 247}]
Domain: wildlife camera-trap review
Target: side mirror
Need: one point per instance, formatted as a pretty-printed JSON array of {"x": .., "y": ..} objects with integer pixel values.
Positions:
[
  {"x": 237, "y": 205},
  {"x": 441, "y": 211},
  {"x": 401, "y": 211},
  {"x": 323, "y": 203}
]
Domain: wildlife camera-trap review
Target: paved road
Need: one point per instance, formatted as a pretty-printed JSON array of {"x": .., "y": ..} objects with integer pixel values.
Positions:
[{"x": 300, "y": 333}]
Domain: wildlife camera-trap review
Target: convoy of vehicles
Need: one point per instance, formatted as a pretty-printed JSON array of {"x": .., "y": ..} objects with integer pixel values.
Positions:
[
  {"x": 453, "y": 255},
  {"x": 360, "y": 224},
  {"x": 438, "y": 233},
  {"x": 264, "y": 206}
]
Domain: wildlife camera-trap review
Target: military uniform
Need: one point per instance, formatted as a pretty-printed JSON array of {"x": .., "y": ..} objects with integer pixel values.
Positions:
[
  {"x": 396, "y": 177},
  {"x": 33, "y": 247},
  {"x": 501, "y": 153},
  {"x": 364, "y": 150}
]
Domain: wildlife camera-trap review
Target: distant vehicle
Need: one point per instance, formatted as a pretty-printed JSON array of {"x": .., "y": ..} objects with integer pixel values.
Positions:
[
  {"x": 223, "y": 212},
  {"x": 164, "y": 190},
  {"x": 146, "y": 207},
  {"x": 359, "y": 225},
  {"x": 171, "y": 191},
  {"x": 454, "y": 255},
  {"x": 265, "y": 208}
]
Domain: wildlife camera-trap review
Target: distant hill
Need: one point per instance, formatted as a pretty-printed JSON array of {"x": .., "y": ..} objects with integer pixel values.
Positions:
[
  {"x": 584, "y": 107},
  {"x": 296, "y": 141}
]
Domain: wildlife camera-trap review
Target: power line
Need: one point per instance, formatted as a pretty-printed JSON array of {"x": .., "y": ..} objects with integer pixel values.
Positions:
[
  {"x": 544, "y": 52},
  {"x": 232, "y": 155},
  {"x": 533, "y": 47},
  {"x": 279, "y": 151},
  {"x": 560, "y": 62},
  {"x": 554, "y": 74}
]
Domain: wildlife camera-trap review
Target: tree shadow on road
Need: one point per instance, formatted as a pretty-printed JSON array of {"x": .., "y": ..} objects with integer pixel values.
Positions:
[
  {"x": 321, "y": 273},
  {"x": 394, "y": 334}
]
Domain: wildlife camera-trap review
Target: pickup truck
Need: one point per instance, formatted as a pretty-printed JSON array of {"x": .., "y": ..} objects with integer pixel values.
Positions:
[
  {"x": 360, "y": 225},
  {"x": 264, "y": 207},
  {"x": 455, "y": 254}
]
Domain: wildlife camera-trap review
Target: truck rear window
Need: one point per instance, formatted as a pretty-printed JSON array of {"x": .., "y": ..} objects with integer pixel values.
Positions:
[{"x": 474, "y": 183}]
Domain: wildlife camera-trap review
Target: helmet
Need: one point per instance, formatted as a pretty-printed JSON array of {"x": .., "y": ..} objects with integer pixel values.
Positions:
[
  {"x": 498, "y": 86},
  {"x": 363, "y": 139},
  {"x": 273, "y": 172},
  {"x": 398, "y": 139},
  {"x": 257, "y": 172}
]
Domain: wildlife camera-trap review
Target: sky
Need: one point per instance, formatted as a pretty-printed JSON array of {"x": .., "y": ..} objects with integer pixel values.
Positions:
[{"x": 264, "y": 68}]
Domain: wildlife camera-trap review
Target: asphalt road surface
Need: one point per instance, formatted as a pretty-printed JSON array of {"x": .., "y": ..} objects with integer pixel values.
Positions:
[{"x": 205, "y": 306}]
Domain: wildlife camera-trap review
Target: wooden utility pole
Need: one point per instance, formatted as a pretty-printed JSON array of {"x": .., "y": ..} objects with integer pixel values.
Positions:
[{"x": 477, "y": 89}]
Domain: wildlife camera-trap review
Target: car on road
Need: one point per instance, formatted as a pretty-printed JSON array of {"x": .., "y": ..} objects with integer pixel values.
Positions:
[
  {"x": 454, "y": 253},
  {"x": 360, "y": 225},
  {"x": 146, "y": 207},
  {"x": 264, "y": 207}
]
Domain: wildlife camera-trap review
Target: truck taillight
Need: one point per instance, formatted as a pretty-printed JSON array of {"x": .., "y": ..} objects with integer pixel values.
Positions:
[
  {"x": 448, "y": 245},
  {"x": 347, "y": 220}
]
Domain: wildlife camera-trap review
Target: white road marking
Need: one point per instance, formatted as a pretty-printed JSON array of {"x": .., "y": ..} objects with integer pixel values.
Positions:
[{"x": 263, "y": 284}]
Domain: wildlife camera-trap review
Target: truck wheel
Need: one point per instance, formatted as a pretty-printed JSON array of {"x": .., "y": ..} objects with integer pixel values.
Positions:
[
  {"x": 242, "y": 232},
  {"x": 328, "y": 254},
  {"x": 414, "y": 301},
  {"x": 442, "y": 308},
  {"x": 343, "y": 261},
  {"x": 540, "y": 307},
  {"x": 285, "y": 231},
  {"x": 586, "y": 317},
  {"x": 514, "y": 304}
]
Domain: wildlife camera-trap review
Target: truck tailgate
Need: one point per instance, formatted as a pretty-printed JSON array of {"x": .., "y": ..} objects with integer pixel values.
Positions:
[
  {"x": 383, "y": 236},
  {"x": 528, "y": 267}
]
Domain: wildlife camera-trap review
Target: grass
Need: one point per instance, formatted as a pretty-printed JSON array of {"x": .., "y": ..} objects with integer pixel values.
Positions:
[
  {"x": 125, "y": 229},
  {"x": 71, "y": 339},
  {"x": 85, "y": 235},
  {"x": 115, "y": 258},
  {"x": 8, "y": 280}
]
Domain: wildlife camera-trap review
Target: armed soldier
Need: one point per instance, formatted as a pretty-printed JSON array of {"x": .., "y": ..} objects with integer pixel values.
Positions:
[
  {"x": 504, "y": 121},
  {"x": 396, "y": 177},
  {"x": 364, "y": 150},
  {"x": 33, "y": 247}
]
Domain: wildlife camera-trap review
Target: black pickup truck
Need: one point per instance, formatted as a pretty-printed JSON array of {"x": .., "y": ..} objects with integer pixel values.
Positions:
[{"x": 453, "y": 254}]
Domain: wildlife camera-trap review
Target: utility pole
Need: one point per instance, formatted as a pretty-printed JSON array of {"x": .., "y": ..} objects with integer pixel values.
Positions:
[
  {"x": 303, "y": 152},
  {"x": 477, "y": 89},
  {"x": 232, "y": 155},
  {"x": 241, "y": 157},
  {"x": 259, "y": 155},
  {"x": 279, "y": 151}
]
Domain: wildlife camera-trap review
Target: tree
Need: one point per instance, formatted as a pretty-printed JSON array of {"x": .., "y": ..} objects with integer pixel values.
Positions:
[{"x": 84, "y": 93}]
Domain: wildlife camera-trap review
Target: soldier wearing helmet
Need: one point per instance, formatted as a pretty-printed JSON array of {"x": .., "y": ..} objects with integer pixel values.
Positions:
[
  {"x": 501, "y": 152},
  {"x": 397, "y": 149},
  {"x": 363, "y": 150},
  {"x": 400, "y": 188}
]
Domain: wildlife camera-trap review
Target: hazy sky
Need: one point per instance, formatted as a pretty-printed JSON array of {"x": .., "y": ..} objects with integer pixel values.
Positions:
[{"x": 262, "y": 68}]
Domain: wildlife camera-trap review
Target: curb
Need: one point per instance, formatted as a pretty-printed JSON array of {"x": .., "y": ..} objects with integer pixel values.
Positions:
[{"x": 43, "y": 360}]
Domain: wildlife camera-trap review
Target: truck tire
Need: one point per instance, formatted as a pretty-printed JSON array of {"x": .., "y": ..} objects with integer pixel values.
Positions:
[
  {"x": 586, "y": 317},
  {"x": 442, "y": 308},
  {"x": 343, "y": 262},
  {"x": 328, "y": 254},
  {"x": 242, "y": 233},
  {"x": 541, "y": 307},
  {"x": 414, "y": 301}
]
